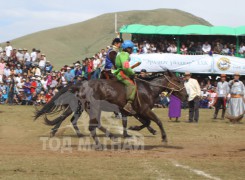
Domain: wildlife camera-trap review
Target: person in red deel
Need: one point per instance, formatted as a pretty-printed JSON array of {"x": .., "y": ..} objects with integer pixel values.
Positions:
[
  {"x": 49, "y": 95},
  {"x": 33, "y": 85}
]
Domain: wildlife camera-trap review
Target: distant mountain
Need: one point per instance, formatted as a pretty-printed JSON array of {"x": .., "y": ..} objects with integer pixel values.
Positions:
[{"x": 66, "y": 44}]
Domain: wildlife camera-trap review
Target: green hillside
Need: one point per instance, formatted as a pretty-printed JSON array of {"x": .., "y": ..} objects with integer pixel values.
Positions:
[{"x": 66, "y": 44}]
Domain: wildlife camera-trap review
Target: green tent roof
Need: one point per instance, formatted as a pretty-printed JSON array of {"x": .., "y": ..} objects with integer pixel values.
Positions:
[{"x": 185, "y": 30}]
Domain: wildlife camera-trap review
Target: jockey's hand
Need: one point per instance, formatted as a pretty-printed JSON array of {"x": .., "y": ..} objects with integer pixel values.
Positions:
[{"x": 132, "y": 77}]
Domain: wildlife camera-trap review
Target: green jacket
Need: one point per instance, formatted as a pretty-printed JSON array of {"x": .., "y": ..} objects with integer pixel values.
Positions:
[{"x": 122, "y": 64}]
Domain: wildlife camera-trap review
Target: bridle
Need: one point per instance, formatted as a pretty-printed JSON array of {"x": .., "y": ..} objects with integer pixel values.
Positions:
[{"x": 165, "y": 87}]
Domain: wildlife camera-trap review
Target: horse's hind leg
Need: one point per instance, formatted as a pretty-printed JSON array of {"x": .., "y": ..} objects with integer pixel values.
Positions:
[
  {"x": 93, "y": 124},
  {"x": 74, "y": 120},
  {"x": 55, "y": 129}
]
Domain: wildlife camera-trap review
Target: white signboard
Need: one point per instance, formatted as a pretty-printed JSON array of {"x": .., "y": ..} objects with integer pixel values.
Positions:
[{"x": 204, "y": 64}]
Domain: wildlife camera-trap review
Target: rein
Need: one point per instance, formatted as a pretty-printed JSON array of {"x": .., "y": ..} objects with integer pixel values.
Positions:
[{"x": 166, "y": 87}]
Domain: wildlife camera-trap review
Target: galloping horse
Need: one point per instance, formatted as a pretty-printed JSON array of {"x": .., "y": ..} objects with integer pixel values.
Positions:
[
  {"x": 67, "y": 103},
  {"x": 96, "y": 93}
]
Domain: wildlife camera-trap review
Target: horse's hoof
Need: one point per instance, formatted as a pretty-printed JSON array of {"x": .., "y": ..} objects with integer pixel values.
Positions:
[
  {"x": 80, "y": 135},
  {"x": 52, "y": 134},
  {"x": 99, "y": 147},
  {"x": 154, "y": 132}
]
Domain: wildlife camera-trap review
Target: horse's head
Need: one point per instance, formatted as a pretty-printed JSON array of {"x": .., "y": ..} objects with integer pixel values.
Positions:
[{"x": 176, "y": 85}]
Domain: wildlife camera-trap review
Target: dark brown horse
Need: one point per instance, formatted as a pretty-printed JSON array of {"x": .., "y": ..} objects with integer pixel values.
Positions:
[
  {"x": 97, "y": 93},
  {"x": 65, "y": 103}
]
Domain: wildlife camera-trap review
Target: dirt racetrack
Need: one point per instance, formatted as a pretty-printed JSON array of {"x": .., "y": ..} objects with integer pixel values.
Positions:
[{"x": 207, "y": 150}]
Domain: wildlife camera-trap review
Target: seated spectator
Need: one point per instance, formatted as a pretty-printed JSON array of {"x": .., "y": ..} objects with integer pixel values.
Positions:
[
  {"x": 172, "y": 48},
  {"x": 184, "y": 49},
  {"x": 37, "y": 70},
  {"x": 33, "y": 85},
  {"x": 48, "y": 67},
  {"x": 69, "y": 76},
  {"x": 242, "y": 49},
  {"x": 18, "y": 70},
  {"x": 49, "y": 95},
  {"x": 163, "y": 100},
  {"x": 206, "y": 48},
  {"x": 204, "y": 102},
  {"x": 225, "y": 50}
]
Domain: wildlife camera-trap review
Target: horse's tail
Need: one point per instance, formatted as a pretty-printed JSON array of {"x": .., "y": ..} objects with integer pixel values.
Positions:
[
  {"x": 51, "y": 107},
  {"x": 67, "y": 112}
]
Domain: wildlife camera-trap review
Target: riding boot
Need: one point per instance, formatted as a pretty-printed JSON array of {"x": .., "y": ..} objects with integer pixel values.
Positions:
[
  {"x": 128, "y": 108},
  {"x": 223, "y": 114}
]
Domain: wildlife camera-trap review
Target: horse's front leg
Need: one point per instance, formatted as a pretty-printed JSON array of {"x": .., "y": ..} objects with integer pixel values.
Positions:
[
  {"x": 152, "y": 116},
  {"x": 124, "y": 123}
]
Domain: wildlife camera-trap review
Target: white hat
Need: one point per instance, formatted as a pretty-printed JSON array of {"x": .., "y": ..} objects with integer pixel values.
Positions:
[
  {"x": 68, "y": 68},
  {"x": 42, "y": 92},
  {"x": 38, "y": 78},
  {"x": 77, "y": 64},
  {"x": 33, "y": 78}
]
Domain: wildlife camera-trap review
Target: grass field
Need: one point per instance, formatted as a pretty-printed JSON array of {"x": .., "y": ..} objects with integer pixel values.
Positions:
[{"x": 208, "y": 150}]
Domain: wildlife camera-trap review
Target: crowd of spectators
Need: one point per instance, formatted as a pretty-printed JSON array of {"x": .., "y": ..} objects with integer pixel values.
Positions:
[
  {"x": 29, "y": 78},
  {"x": 217, "y": 46}
]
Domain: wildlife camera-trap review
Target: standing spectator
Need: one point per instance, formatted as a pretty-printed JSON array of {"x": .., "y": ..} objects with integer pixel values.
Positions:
[
  {"x": 237, "y": 91},
  {"x": 194, "y": 92},
  {"x": 42, "y": 63},
  {"x": 96, "y": 68},
  {"x": 2, "y": 67},
  {"x": 206, "y": 48},
  {"x": 174, "y": 108},
  {"x": 27, "y": 57},
  {"x": 11, "y": 90},
  {"x": 20, "y": 56},
  {"x": 27, "y": 92},
  {"x": 33, "y": 55},
  {"x": 90, "y": 68},
  {"x": 222, "y": 93},
  {"x": 8, "y": 49}
]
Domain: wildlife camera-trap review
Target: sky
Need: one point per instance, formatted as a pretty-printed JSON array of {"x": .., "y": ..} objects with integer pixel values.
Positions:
[{"x": 22, "y": 17}]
